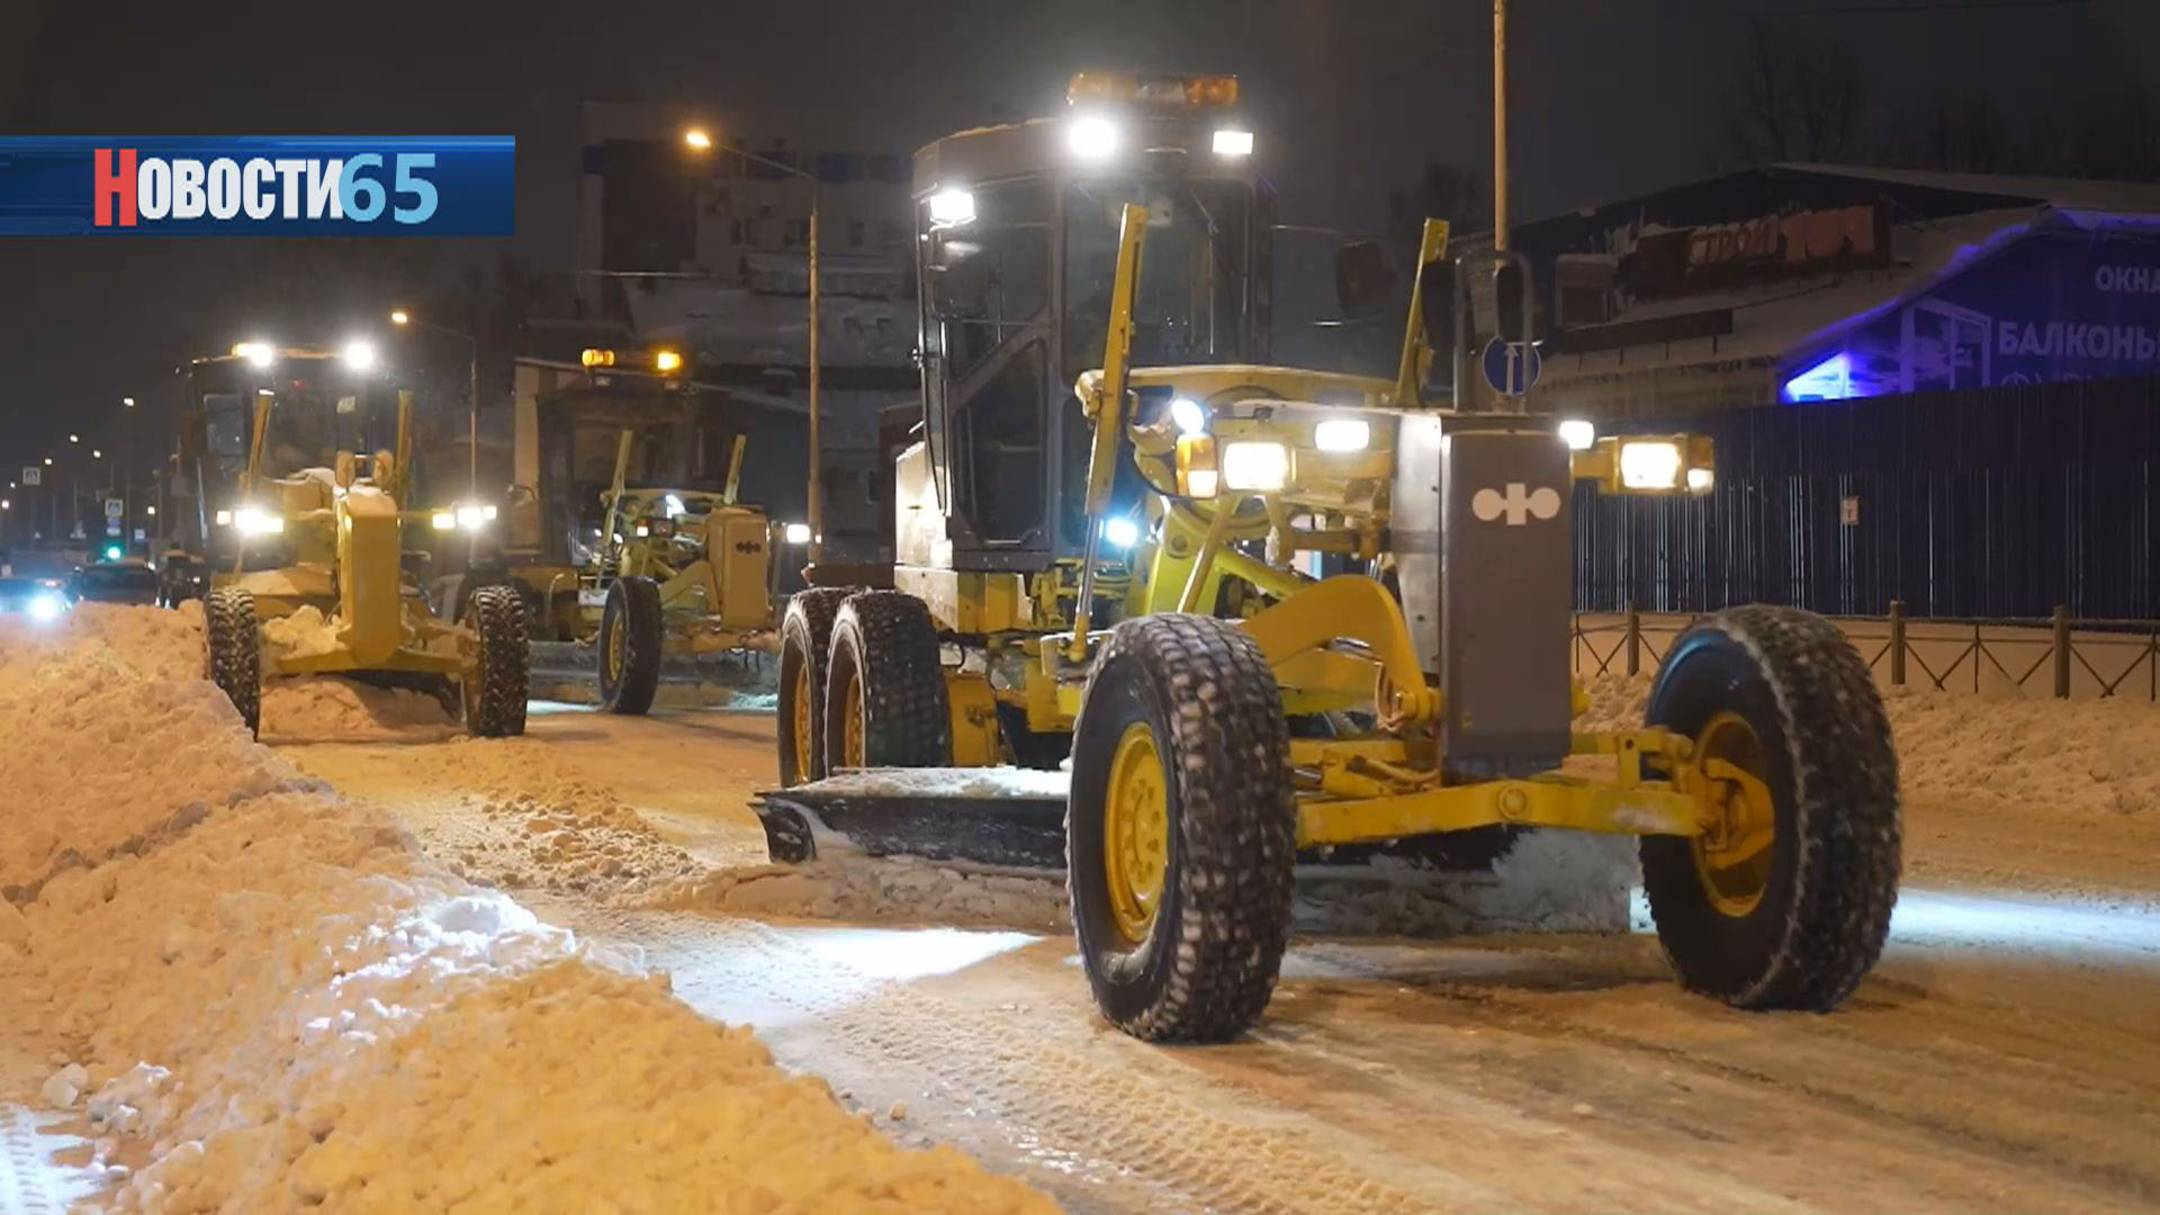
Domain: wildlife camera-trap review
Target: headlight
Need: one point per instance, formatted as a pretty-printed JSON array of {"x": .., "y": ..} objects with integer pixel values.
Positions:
[
  {"x": 951, "y": 207},
  {"x": 1701, "y": 480},
  {"x": 1580, "y": 434},
  {"x": 1189, "y": 416},
  {"x": 1120, "y": 532},
  {"x": 46, "y": 606},
  {"x": 797, "y": 533},
  {"x": 253, "y": 521},
  {"x": 1255, "y": 464},
  {"x": 1230, "y": 141},
  {"x": 445, "y": 521},
  {"x": 1092, "y": 137},
  {"x": 1650, "y": 464},
  {"x": 224, "y": 518},
  {"x": 1343, "y": 434}
]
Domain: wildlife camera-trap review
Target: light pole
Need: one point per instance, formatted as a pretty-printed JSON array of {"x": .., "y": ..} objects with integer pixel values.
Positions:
[
  {"x": 403, "y": 318},
  {"x": 699, "y": 140}
]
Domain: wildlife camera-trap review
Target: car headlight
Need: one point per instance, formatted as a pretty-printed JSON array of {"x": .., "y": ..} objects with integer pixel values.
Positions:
[
  {"x": 1261, "y": 465},
  {"x": 471, "y": 518},
  {"x": 1343, "y": 434},
  {"x": 1579, "y": 433},
  {"x": 1650, "y": 464},
  {"x": 254, "y": 521},
  {"x": 47, "y": 606},
  {"x": 797, "y": 533}
]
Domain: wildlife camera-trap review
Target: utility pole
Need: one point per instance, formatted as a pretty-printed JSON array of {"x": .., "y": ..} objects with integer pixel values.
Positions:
[
  {"x": 817, "y": 449},
  {"x": 1499, "y": 126}
]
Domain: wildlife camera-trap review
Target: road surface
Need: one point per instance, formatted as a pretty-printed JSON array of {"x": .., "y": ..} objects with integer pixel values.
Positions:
[{"x": 2002, "y": 1057}]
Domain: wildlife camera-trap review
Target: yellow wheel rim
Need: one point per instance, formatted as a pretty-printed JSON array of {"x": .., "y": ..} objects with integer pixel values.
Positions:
[
  {"x": 618, "y": 644},
  {"x": 851, "y": 728},
  {"x": 799, "y": 724},
  {"x": 1136, "y": 831},
  {"x": 1734, "y": 851}
]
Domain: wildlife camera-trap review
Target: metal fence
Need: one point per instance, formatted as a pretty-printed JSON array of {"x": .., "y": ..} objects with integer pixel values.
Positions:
[
  {"x": 2063, "y": 657},
  {"x": 1993, "y": 503}
]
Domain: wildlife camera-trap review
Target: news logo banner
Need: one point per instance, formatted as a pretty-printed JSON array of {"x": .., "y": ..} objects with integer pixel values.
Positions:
[{"x": 258, "y": 186}]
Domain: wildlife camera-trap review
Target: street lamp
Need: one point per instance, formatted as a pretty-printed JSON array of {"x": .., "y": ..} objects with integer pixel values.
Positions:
[
  {"x": 700, "y": 140},
  {"x": 403, "y": 319}
]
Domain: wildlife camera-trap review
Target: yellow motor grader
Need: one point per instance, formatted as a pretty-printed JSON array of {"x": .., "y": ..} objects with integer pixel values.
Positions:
[
  {"x": 677, "y": 572},
  {"x": 311, "y": 575},
  {"x": 1275, "y": 613}
]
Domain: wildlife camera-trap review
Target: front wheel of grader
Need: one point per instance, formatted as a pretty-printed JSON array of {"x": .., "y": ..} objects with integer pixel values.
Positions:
[
  {"x": 630, "y": 641},
  {"x": 232, "y": 652},
  {"x": 495, "y": 690},
  {"x": 1784, "y": 901},
  {"x": 1181, "y": 829}
]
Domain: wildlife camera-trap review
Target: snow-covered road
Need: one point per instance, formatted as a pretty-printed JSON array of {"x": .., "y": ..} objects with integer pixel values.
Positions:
[{"x": 2000, "y": 1058}]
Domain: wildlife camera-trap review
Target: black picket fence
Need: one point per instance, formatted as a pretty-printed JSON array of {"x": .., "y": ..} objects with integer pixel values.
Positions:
[{"x": 1997, "y": 503}]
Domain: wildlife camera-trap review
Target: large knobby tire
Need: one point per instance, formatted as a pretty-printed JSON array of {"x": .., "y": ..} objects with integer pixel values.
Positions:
[
  {"x": 885, "y": 699},
  {"x": 630, "y": 642},
  {"x": 1193, "y": 697},
  {"x": 805, "y": 641},
  {"x": 495, "y": 691},
  {"x": 232, "y": 652},
  {"x": 1779, "y": 696}
]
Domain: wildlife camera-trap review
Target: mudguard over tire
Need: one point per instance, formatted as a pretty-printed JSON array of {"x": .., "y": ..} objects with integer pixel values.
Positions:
[
  {"x": 1779, "y": 700},
  {"x": 805, "y": 640},
  {"x": 232, "y": 652},
  {"x": 885, "y": 699},
  {"x": 1187, "y": 701},
  {"x": 630, "y": 642},
  {"x": 495, "y": 692}
]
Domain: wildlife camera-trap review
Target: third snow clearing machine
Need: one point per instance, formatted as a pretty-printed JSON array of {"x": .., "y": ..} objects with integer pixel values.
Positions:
[{"x": 1264, "y": 613}]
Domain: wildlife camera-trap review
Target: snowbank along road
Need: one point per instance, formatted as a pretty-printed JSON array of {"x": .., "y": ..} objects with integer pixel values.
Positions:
[{"x": 256, "y": 978}]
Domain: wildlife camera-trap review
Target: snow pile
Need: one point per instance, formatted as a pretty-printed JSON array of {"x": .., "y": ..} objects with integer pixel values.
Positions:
[
  {"x": 151, "y": 642},
  {"x": 1548, "y": 881},
  {"x": 516, "y": 815},
  {"x": 102, "y": 761},
  {"x": 2077, "y": 758},
  {"x": 279, "y": 1001},
  {"x": 2006, "y": 752},
  {"x": 325, "y": 708},
  {"x": 306, "y": 633}
]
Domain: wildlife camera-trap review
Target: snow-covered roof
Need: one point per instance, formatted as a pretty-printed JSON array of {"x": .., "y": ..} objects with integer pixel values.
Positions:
[{"x": 2071, "y": 193}]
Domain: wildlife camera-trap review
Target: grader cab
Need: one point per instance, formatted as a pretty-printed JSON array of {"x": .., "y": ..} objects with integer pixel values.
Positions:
[{"x": 1253, "y": 614}]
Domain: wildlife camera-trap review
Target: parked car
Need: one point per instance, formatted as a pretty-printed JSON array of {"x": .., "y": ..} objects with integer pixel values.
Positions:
[{"x": 116, "y": 582}]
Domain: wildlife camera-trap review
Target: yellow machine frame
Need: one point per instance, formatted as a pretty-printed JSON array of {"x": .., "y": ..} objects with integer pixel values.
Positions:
[{"x": 1335, "y": 643}]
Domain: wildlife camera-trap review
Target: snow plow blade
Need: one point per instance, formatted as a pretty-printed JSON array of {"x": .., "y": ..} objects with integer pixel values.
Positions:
[
  {"x": 1015, "y": 818},
  {"x": 1007, "y": 817},
  {"x": 579, "y": 662}
]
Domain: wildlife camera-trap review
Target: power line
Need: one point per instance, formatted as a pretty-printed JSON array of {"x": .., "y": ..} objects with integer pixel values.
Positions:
[{"x": 1894, "y": 7}]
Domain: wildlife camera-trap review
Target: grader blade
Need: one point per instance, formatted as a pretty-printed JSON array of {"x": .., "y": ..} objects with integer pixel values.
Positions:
[
  {"x": 1015, "y": 818},
  {"x": 1007, "y": 817}
]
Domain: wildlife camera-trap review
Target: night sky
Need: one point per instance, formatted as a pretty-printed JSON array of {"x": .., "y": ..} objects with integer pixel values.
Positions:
[{"x": 1350, "y": 97}]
